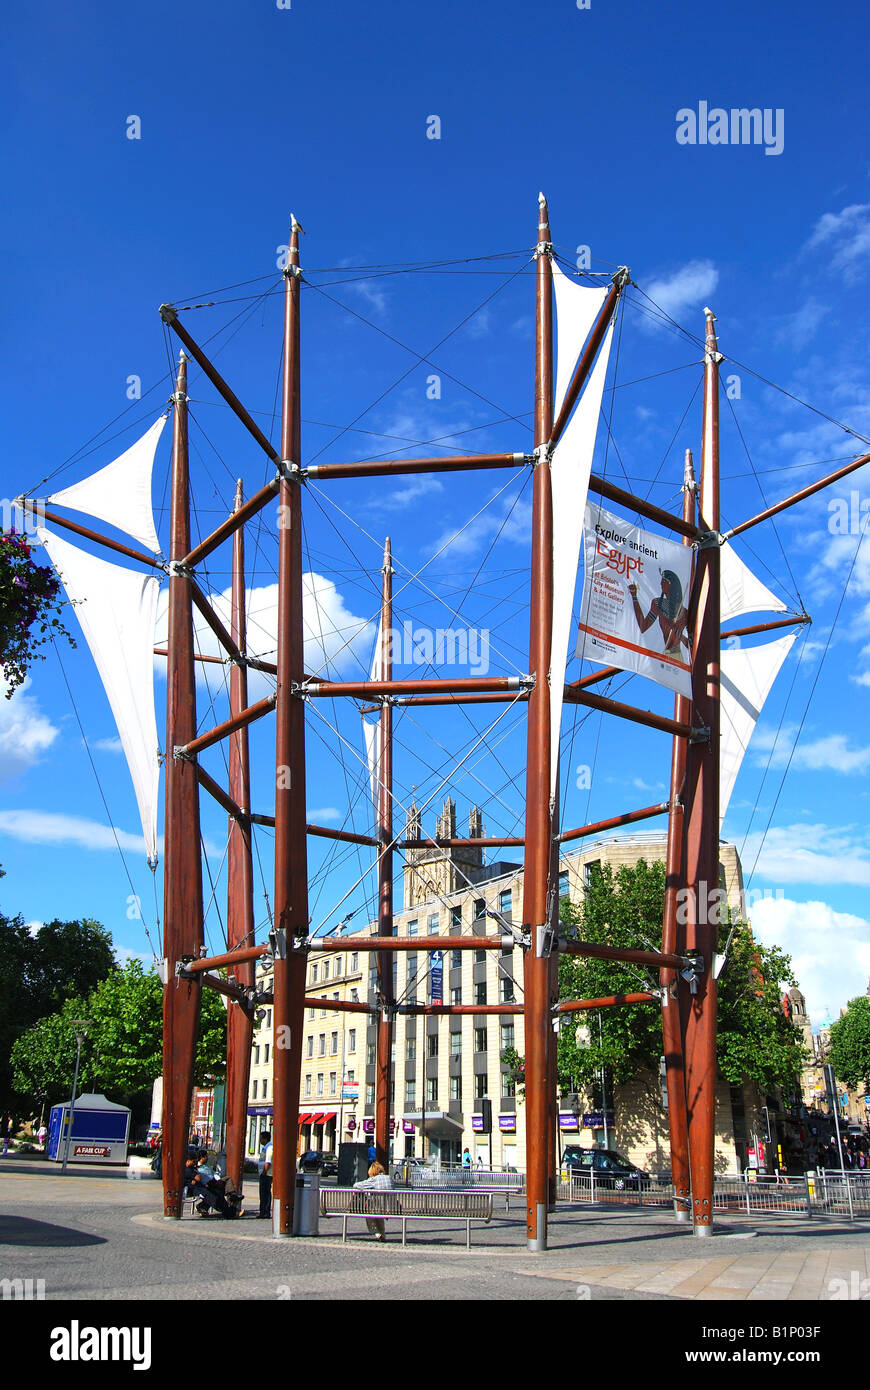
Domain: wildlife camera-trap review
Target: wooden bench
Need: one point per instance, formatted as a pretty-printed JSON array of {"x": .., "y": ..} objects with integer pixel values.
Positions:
[{"x": 406, "y": 1204}]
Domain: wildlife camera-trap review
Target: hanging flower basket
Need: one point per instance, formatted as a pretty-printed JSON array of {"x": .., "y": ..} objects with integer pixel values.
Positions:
[{"x": 29, "y": 609}]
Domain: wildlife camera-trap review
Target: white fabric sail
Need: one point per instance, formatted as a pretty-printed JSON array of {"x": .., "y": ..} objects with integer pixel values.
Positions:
[
  {"x": 577, "y": 308},
  {"x": 741, "y": 591},
  {"x": 570, "y": 469},
  {"x": 120, "y": 493},
  {"x": 372, "y": 731},
  {"x": 747, "y": 675},
  {"x": 117, "y": 610}
]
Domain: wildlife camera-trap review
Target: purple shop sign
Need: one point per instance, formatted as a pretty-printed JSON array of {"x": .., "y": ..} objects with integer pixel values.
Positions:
[{"x": 507, "y": 1124}]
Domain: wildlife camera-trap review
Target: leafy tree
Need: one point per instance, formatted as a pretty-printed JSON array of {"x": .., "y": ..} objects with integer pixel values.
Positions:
[
  {"x": 29, "y": 599},
  {"x": 122, "y": 1052},
  {"x": 38, "y": 972},
  {"x": 755, "y": 1040},
  {"x": 850, "y": 1043}
]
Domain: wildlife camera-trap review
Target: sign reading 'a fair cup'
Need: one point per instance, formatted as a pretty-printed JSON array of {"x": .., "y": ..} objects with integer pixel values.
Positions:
[{"x": 634, "y": 612}]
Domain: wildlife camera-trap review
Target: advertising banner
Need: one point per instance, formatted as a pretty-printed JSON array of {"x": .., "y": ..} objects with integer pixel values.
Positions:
[
  {"x": 634, "y": 609},
  {"x": 436, "y": 976}
]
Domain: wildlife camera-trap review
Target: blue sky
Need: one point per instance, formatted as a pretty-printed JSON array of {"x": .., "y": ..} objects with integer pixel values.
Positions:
[{"x": 247, "y": 112}]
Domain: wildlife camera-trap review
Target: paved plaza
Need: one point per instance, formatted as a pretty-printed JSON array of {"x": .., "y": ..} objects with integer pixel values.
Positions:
[{"x": 96, "y": 1237}]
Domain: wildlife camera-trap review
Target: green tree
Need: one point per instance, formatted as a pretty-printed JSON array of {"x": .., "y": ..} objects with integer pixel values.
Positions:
[
  {"x": 850, "y": 1043},
  {"x": 122, "y": 1054},
  {"x": 29, "y": 604},
  {"x": 755, "y": 1039}
]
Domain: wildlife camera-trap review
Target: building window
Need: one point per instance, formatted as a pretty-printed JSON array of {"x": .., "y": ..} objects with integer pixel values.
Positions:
[
  {"x": 320, "y": 1083},
  {"x": 456, "y": 915},
  {"x": 433, "y": 923},
  {"x": 332, "y": 1079},
  {"x": 479, "y": 909},
  {"x": 455, "y": 1044},
  {"x": 351, "y": 1040},
  {"x": 456, "y": 995},
  {"x": 480, "y": 956},
  {"x": 563, "y": 883},
  {"x": 480, "y": 1039},
  {"x": 256, "y": 1056},
  {"x": 481, "y": 1085},
  {"x": 456, "y": 960},
  {"x": 373, "y": 979},
  {"x": 265, "y": 1089},
  {"x": 308, "y": 1085},
  {"x": 337, "y": 967},
  {"x": 323, "y": 1013},
  {"x": 410, "y": 1049},
  {"x": 506, "y": 990},
  {"x": 410, "y": 1095},
  {"x": 333, "y": 1043},
  {"x": 504, "y": 902},
  {"x": 432, "y": 1090},
  {"x": 432, "y": 1045},
  {"x": 456, "y": 1088},
  {"x": 351, "y": 1075},
  {"x": 266, "y": 1053},
  {"x": 310, "y": 1052},
  {"x": 370, "y": 1054},
  {"x": 480, "y": 992},
  {"x": 321, "y": 1045},
  {"x": 354, "y": 996},
  {"x": 354, "y": 961},
  {"x": 370, "y": 1093},
  {"x": 412, "y": 978},
  {"x": 314, "y": 974},
  {"x": 412, "y": 927},
  {"x": 256, "y": 1085},
  {"x": 310, "y": 1014},
  {"x": 507, "y": 1036},
  {"x": 590, "y": 870},
  {"x": 508, "y": 1086}
]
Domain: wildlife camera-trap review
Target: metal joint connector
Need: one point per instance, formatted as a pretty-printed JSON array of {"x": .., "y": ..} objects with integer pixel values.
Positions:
[
  {"x": 701, "y": 735},
  {"x": 167, "y": 313},
  {"x": 293, "y": 271},
  {"x": 542, "y": 454},
  {"x": 693, "y": 969},
  {"x": 278, "y": 943},
  {"x": 181, "y": 968},
  {"x": 709, "y": 540},
  {"x": 523, "y": 936},
  {"x": 544, "y": 248},
  {"x": 178, "y": 396},
  {"x": 527, "y": 682},
  {"x": 622, "y": 277},
  {"x": 176, "y": 570},
  {"x": 288, "y": 470},
  {"x": 546, "y": 940},
  {"x": 180, "y": 754},
  {"x": 716, "y": 357}
]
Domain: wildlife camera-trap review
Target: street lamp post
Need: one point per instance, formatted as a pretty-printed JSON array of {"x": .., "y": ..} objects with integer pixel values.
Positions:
[{"x": 81, "y": 1026}]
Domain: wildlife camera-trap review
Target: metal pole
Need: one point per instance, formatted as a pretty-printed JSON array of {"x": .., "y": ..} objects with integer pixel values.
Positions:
[
  {"x": 72, "y": 1100},
  {"x": 672, "y": 1038},
  {"x": 701, "y": 818},
  {"x": 240, "y": 882},
  {"x": 182, "y": 864},
  {"x": 603, "y": 1088},
  {"x": 291, "y": 848},
  {"x": 538, "y": 823},
  {"x": 384, "y": 766}
]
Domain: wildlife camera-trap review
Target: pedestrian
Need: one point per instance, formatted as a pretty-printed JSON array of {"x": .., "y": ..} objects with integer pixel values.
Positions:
[
  {"x": 264, "y": 1166},
  {"x": 372, "y": 1152},
  {"x": 378, "y": 1180},
  {"x": 466, "y": 1166},
  {"x": 41, "y": 1135}
]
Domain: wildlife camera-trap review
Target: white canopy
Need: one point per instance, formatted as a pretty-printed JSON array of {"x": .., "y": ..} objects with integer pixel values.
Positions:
[
  {"x": 117, "y": 610},
  {"x": 741, "y": 591},
  {"x": 120, "y": 493},
  {"x": 746, "y": 678}
]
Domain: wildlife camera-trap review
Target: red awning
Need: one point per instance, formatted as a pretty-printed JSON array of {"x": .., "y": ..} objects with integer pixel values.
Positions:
[
  {"x": 330, "y": 1115},
  {"x": 310, "y": 1119}
]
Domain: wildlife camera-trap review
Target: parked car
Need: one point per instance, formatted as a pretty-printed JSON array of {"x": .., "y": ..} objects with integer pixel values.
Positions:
[
  {"x": 317, "y": 1161},
  {"x": 401, "y": 1172},
  {"x": 609, "y": 1167}
]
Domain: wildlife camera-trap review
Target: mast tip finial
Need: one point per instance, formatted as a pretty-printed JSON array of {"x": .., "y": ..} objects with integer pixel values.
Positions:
[
  {"x": 709, "y": 313},
  {"x": 542, "y": 201},
  {"x": 296, "y": 226}
]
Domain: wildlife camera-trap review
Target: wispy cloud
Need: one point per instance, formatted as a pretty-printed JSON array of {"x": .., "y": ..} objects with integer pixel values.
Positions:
[
  {"x": 55, "y": 828},
  {"x": 830, "y": 950},
  {"x": 25, "y": 732},
  {"x": 817, "y": 854},
  {"x": 514, "y": 525},
  {"x": 830, "y": 753},
  {"x": 319, "y": 814},
  {"x": 107, "y": 745},
  {"x": 687, "y": 288},
  {"x": 845, "y": 237}
]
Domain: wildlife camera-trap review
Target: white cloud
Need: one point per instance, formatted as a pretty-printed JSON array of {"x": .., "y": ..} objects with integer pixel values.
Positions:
[
  {"x": 405, "y": 496},
  {"x": 107, "y": 745},
  {"x": 846, "y": 237},
  {"x": 25, "y": 732},
  {"x": 123, "y": 954},
  {"x": 800, "y": 327},
  {"x": 830, "y": 950},
  {"x": 514, "y": 524},
  {"x": 830, "y": 753},
  {"x": 55, "y": 828},
  {"x": 319, "y": 814},
  {"x": 333, "y": 636},
  {"x": 688, "y": 288},
  {"x": 813, "y": 853}
]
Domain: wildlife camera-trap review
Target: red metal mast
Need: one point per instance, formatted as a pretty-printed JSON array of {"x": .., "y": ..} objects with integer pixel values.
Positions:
[
  {"x": 291, "y": 851},
  {"x": 240, "y": 880},
  {"x": 384, "y": 768},
  {"x": 701, "y": 817},
  {"x": 673, "y": 936},
  {"x": 539, "y": 824},
  {"x": 182, "y": 872}
]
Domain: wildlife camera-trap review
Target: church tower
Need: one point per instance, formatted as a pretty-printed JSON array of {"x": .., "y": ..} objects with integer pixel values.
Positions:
[{"x": 431, "y": 872}]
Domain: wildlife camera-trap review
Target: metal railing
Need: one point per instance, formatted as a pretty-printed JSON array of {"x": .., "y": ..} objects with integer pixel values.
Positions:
[
  {"x": 459, "y": 1179},
  {"x": 828, "y": 1193}
]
